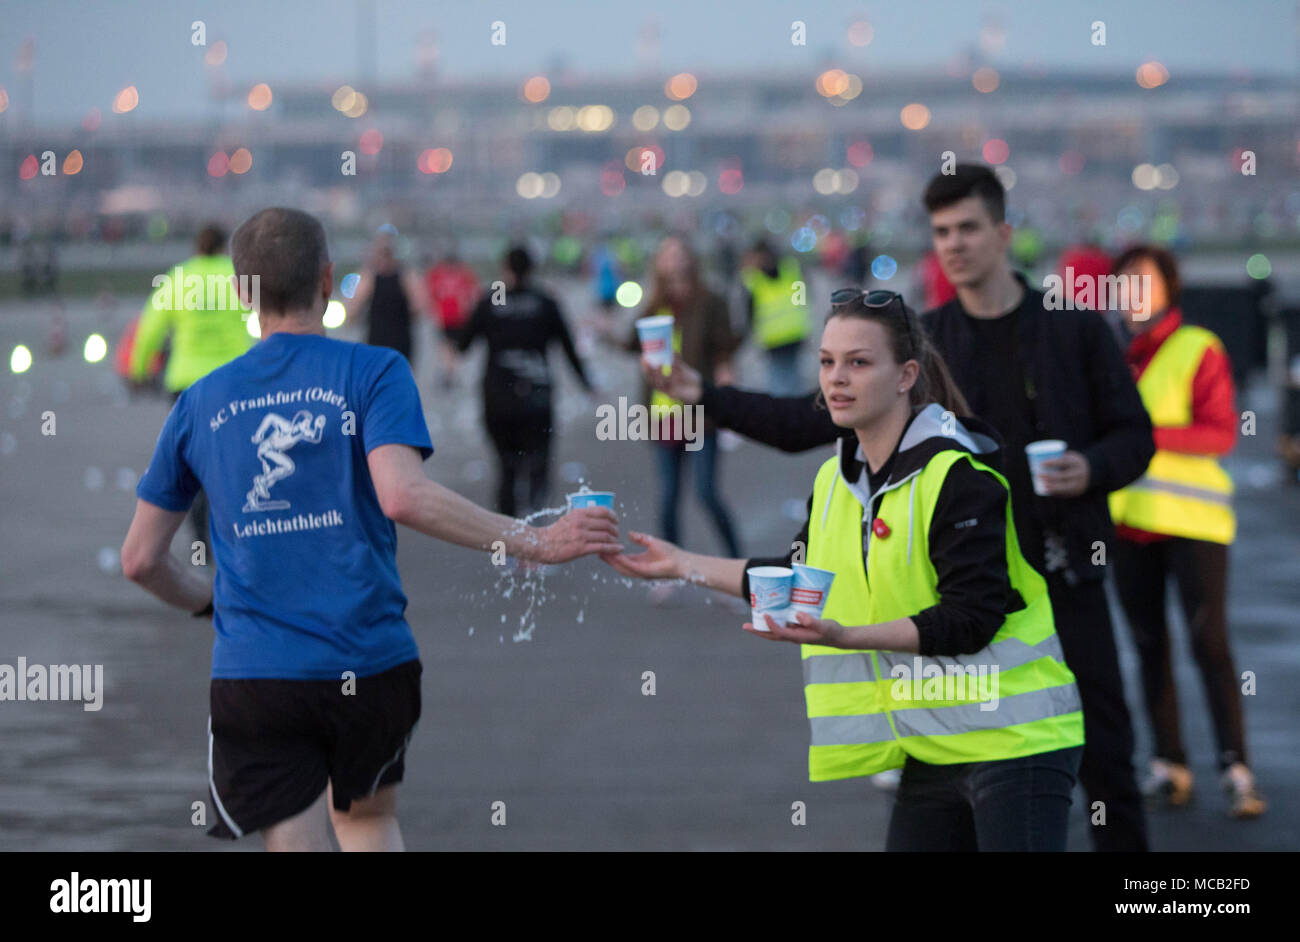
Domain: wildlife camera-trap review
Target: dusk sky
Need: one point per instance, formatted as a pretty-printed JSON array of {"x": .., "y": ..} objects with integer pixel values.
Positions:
[{"x": 85, "y": 52}]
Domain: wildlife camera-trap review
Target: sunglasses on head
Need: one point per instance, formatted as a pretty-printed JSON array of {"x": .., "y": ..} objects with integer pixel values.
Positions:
[{"x": 874, "y": 300}]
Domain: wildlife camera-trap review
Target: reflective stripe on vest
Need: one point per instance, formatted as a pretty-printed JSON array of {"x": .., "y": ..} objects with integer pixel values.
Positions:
[
  {"x": 777, "y": 319},
  {"x": 1180, "y": 494},
  {"x": 869, "y": 710}
]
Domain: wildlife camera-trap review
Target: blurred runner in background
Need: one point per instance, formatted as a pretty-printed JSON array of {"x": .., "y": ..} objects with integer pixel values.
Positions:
[
  {"x": 203, "y": 336},
  {"x": 390, "y": 295},
  {"x": 452, "y": 288}
]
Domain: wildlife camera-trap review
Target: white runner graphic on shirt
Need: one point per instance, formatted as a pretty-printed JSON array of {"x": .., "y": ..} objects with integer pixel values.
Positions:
[{"x": 271, "y": 448}]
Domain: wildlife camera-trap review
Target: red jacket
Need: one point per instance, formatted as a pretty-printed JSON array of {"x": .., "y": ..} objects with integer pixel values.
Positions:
[{"x": 1213, "y": 429}]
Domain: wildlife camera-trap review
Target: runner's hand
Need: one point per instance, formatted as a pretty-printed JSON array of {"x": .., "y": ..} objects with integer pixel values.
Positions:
[
  {"x": 682, "y": 383},
  {"x": 661, "y": 560},
  {"x": 578, "y": 533},
  {"x": 809, "y": 630}
]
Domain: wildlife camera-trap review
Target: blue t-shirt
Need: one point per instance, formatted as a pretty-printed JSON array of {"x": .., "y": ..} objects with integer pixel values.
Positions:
[{"x": 306, "y": 583}]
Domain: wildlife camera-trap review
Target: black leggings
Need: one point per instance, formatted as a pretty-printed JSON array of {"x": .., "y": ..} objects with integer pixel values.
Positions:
[
  {"x": 1200, "y": 569},
  {"x": 523, "y": 447}
]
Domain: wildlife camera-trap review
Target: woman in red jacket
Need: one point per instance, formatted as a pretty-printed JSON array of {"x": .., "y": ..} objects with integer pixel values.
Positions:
[{"x": 1177, "y": 520}]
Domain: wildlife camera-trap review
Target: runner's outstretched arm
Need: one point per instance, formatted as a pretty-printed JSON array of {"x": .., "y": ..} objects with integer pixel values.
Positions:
[
  {"x": 409, "y": 498},
  {"x": 147, "y": 560}
]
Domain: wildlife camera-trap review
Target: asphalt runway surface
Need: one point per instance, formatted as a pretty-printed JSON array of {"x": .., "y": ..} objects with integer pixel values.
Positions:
[{"x": 533, "y": 684}]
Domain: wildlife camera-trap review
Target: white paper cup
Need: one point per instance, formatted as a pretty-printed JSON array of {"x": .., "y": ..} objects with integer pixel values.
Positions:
[
  {"x": 656, "y": 335},
  {"x": 1037, "y": 453},
  {"x": 809, "y": 590},
  {"x": 769, "y": 594},
  {"x": 591, "y": 499}
]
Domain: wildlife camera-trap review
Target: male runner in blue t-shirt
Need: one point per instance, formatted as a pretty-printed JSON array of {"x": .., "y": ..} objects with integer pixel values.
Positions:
[{"x": 309, "y": 449}]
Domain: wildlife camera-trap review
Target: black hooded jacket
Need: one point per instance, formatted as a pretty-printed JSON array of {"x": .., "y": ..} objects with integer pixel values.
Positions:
[
  {"x": 967, "y": 535},
  {"x": 1078, "y": 389}
]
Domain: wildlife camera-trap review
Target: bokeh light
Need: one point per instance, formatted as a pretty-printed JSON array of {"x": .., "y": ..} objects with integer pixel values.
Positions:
[
  {"x": 860, "y": 33},
  {"x": 348, "y": 286},
  {"x": 803, "y": 239},
  {"x": 914, "y": 116},
  {"x": 645, "y": 118},
  {"x": 335, "y": 314},
  {"x": 562, "y": 118},
  {"x": 681, "y": 86},
  {"x": 371, "y": 141},
  {"x": 628, "y": 294},
  {"x": 253, "y": 325},
  {"x": 995, "y": 151},
  {"x": 1071, "y": 163},
  {"x": 644, "y": 158},
  {"x": 1258, "y": 266},
  {"x": 216, "y": 54},
  {"x": 883, "y": 267},
  {"x": 218, "y": 164},
  {"x": 677, "y": 117},
  {"x": 435, "y": 160},
  {"x": 860, "y": 153},
  {"x": 537, "y": 89},
  {"x": 72, "y": 164},
  {"x": 126, "y": 100},
  {"x": 20, "y": 361},
  {"x": 241, "y": 161},
  {"x": 985, "y": 80},
  {"x": 27, "y": 169},
  {"x": 96, "y": 348},
  {"x": 1144, "y": 176},
  {"x": 259, "y": 97},
  {"x": 731, "y": 181},
  {"x": 1152, "y": 75}
]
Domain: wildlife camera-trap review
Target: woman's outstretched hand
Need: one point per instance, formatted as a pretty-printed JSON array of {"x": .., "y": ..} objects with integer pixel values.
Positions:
[
  {"x": 809, "y": 630},
  {"x": 661, "y": 559}
]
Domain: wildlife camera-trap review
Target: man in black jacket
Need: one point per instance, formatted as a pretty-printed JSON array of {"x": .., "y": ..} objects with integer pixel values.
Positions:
[{"x": 1033, "y": 374}]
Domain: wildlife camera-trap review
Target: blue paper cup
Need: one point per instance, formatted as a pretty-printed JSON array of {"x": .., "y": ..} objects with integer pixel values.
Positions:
[
  {"x": 1038, "y": 452},
  {"x": 809, "y": 590},
  {"x": 591, "y": 499},
  {"x": 769, "y": 594},
  {"x": 656, "y": 336}
]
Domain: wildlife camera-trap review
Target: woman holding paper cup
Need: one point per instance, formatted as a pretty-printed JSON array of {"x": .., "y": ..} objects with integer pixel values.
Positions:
[
  {"x": 683, "y": 315},
  {"x": 936, "y": 651}
]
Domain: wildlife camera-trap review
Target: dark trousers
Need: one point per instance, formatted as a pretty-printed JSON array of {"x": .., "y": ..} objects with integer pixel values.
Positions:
[
  {"x": 523, "y": 447},
  {"x": 1200, "y": 570},
  {"x": 705, "y": 461},
  {"x": 1106, "y": 772},
  {"x": 1007, "y": 805}
]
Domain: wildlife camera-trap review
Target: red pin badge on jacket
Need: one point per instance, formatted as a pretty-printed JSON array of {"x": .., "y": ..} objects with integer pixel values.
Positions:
[{"x": 880, "y": 528}]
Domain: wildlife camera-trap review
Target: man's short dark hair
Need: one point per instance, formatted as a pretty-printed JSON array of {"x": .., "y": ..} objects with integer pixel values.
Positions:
[
  {"x": 286, "y": 250},
  {"x": 944, "y": 189},
  {"x": 518, "y": 262},
  {"x": 210, "y": 240},
  {"x": 1162, "y": 258}
]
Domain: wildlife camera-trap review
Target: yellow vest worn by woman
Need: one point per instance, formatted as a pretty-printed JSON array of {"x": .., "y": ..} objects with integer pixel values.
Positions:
[
  {"x": 1180, "y": 494},
  {"x": 869, "y": 710}
]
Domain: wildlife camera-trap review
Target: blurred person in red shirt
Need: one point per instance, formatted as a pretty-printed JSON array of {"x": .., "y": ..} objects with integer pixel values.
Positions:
[
  {"x": 1177, "y": 520},
  {"x": 935, "y": 288},
  {"x": 453, "y": 289}
]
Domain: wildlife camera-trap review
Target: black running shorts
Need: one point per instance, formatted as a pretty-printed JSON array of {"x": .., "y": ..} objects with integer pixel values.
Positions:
[{"x": 273, "y": 745}]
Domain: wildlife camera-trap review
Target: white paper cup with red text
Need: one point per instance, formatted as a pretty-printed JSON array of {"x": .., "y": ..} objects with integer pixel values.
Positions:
[
  {"x": 809, "y": 590},
  {"x": 656, "y": 335},
  {"x": 769, "y": 594}
]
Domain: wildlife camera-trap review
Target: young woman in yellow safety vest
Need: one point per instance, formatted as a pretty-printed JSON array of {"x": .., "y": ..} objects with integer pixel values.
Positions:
[
  {"x": 937, "y": 651},
  {"x": 1177, "y": 520}
]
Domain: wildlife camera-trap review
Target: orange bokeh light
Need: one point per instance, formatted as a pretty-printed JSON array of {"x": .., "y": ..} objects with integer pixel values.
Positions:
[
  {"x": 259, "y": 98},
  {"x": 126, "y": 100},
  {"x": 537, "y": 89}
]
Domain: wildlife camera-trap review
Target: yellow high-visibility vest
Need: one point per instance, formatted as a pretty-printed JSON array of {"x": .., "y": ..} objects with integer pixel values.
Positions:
[
  {"x": 778, "y": 321},
  {"x": 1180, "y": 494},
  {"x": 868, "y": 709}
]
